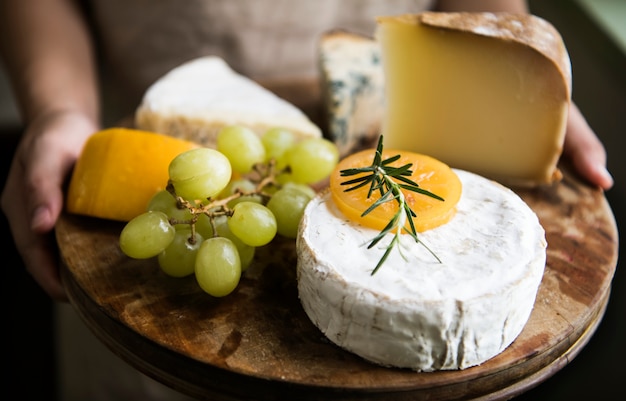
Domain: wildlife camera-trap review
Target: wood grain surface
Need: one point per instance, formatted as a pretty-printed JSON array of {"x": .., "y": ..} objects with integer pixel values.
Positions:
[{"x": 258, "y": 344}]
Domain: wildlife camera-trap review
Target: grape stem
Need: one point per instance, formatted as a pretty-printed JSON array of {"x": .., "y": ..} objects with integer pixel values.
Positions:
[{"x": 263, "y": 174}]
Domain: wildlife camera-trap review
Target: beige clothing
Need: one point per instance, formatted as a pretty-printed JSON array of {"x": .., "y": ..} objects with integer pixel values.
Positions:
[{"x": 141, "y": 40}]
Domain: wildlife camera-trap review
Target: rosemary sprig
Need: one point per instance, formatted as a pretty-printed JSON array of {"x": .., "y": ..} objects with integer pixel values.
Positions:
[{"x": 389, "y": 182}]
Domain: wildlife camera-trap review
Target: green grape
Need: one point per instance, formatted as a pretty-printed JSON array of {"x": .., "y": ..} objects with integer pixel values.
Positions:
[
  {"x": 312, "y": 160},
  {"x": 241, "y": 146},
  {"x": 217, "y": 267},
  {"x": 204, "y": 226},
  {"x": 246, "y": 252},
  {"x": 253, "y": 223},
  {"x": 244, "y": 185},
  {"x": 276, "y": 142},
  {"x": 288, "y": 205},
  {"x": 163, "y": 201},
  {"x": 179, "y": 258},
  {"x": 146, "y": 235},
  {"x": 300, "y": 187},
  {"x": 199, "y": 173},
  {"x": 284, "y": 178}
]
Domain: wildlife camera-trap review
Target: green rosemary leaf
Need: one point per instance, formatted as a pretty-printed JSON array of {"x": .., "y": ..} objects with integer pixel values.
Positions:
[
  {"x": 384, "y": 198},
  {"x": 378, "y": 184},
  {"x": 408, "y": 181},
  {"x": 398, "y": 171},
  {"x": 422, "y": 191},
  {"x": 409, "y": 216},
  {"x": 362, "y": 182},
  {"x": 392, "y": 223},
  {"x": 385, "y": 255},
  {"x": 354, "y": 171},
  {"x": 379, "y": 147},
  {"x": 388, "y": 160}
]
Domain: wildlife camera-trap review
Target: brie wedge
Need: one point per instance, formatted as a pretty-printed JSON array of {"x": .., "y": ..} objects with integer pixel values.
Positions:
[
  {"x": 416, "y": 312},
  {"x": 197, "y": 99}
]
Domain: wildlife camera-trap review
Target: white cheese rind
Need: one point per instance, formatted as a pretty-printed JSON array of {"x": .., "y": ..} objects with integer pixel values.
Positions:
[
  {"x": 415, "y": 312},
  {"x": 195, "y": 100}
]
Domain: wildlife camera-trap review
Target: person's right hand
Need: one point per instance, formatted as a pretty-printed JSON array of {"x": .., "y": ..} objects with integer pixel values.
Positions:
[
  {"x": 585, "y": 150},
  {"x": 32, "y": 198}
]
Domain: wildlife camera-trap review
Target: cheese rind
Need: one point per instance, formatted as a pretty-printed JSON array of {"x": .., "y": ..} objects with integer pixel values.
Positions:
[
  {"x": 527, "y": 30},
  {"x": 415, "y": 312},
  {"x": 197, "y": 99},
  {"x": 352, "y": 84},
  {"x": 483, "y": 92}
]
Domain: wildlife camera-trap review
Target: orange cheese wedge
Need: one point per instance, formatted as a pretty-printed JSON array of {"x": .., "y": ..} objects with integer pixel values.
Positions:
[
  {"x": 119, "y": 170},
  {"x": 429, "y": 173}
]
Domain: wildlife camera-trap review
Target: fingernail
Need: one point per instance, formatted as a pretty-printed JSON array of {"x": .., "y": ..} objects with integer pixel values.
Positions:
[{"x": 606, "y": 176}]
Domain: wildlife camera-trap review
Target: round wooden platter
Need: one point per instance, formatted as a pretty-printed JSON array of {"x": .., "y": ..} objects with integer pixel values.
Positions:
[{"x": 259, "y": 344}]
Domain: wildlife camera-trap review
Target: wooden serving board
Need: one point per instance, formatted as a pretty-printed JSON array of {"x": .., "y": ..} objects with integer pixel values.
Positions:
[{"x": 258, "y": 343}]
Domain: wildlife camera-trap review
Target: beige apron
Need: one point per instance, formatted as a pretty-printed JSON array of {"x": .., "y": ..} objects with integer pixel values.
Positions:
[{"x": 143, "y": 39}]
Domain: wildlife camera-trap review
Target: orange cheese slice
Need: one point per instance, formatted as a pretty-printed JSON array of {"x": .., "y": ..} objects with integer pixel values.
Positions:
[{"x": 429, "y": 173}]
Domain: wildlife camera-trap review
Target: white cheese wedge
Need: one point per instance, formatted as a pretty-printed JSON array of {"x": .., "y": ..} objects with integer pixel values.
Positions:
[
  {"x": 483, "y": 92},
  {"x": 352, "y": 82},
  {"x": 195, "y": 100},
  {"x": 415, "y": 312}
]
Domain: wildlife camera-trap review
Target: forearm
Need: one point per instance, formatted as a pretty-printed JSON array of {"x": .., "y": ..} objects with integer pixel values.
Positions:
[
  {"x": 48, "y": 52},
  {"x": 516, "y": 6}
]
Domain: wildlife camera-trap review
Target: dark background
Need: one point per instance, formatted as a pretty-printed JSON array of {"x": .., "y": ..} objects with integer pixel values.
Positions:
[{"x": 599, "y": 71}]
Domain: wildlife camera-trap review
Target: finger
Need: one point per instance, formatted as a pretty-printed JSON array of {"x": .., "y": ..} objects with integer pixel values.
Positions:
[
  {"x": 44, "y": 183},
  {"x": 586, "y": 152}
]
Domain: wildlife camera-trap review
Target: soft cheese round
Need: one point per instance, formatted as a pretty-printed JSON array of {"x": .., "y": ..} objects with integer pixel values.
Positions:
[{"x": 417, "y": 312}]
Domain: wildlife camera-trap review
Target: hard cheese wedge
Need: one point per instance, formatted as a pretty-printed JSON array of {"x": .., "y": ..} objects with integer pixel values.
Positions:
[
  {"x": 119, "y": 170},
  {"x": 482, "y": 92}
]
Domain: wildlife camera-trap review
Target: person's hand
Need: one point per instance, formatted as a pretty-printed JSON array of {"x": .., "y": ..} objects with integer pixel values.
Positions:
[
  {"x": 585, "y": 151},
  {"x": 32, "y": 198}
]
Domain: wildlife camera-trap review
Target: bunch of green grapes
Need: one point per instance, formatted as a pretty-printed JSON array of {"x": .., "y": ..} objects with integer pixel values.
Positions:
[{"x": 221, "y": 204}]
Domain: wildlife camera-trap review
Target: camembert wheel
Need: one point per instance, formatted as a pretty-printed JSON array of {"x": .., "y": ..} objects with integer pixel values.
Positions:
[{"x": 417, "y": 312}]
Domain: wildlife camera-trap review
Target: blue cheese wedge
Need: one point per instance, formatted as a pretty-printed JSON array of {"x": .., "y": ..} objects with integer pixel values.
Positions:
[
  {"x": 198, "y": 98},
  {"x": 353, "y": 93},
  {"x": 415, "y": 312}
]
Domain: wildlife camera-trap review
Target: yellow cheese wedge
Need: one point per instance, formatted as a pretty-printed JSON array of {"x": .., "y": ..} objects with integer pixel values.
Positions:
[
  {"x": 119, "y": 170},
  {"x": 484, "y": 92}
]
